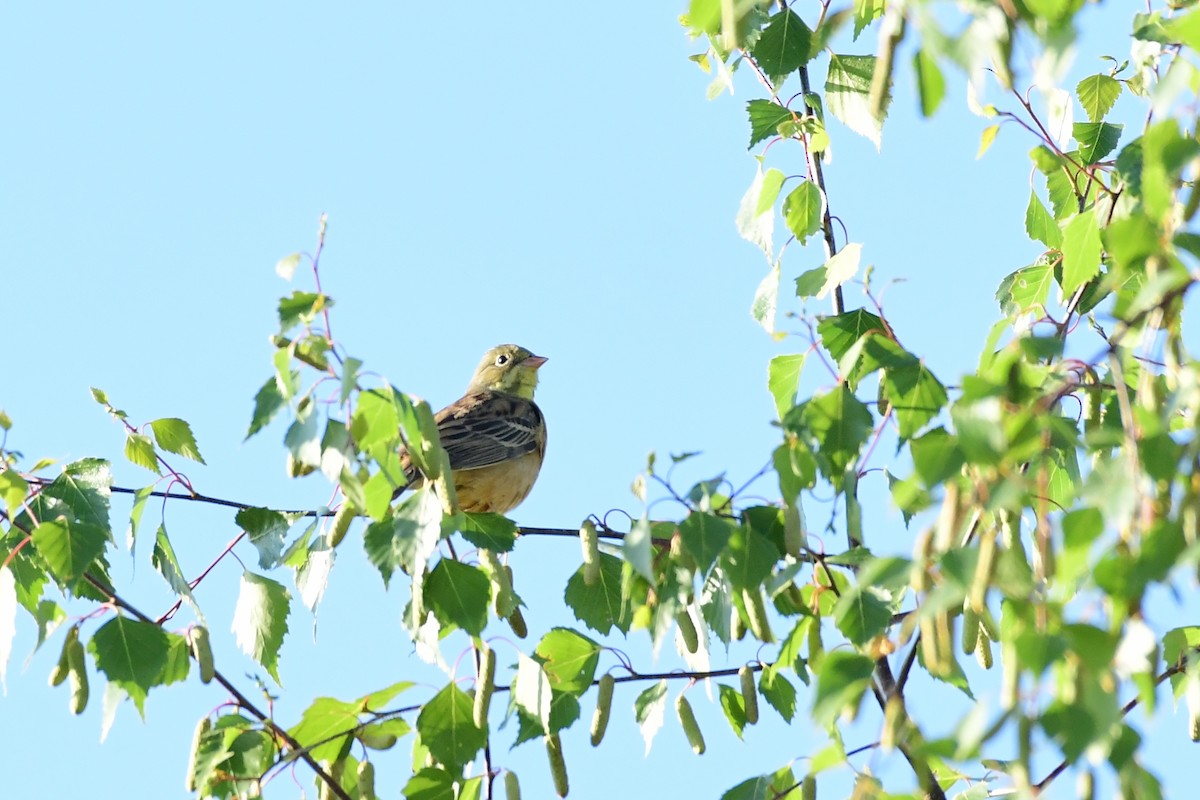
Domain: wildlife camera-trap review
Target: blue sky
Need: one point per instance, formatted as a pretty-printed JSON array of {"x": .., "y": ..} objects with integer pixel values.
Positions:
[{"x": 510, "y": 172}]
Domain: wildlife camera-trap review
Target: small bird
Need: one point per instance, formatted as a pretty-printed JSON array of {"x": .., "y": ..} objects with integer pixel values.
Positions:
[{"x": 494, "y": 435}]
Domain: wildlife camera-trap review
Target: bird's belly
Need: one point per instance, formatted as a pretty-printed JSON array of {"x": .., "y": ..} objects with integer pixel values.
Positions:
[{"x": 499, "y": 488}]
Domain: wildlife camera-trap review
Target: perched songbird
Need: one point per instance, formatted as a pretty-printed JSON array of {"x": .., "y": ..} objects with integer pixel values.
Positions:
[{"x": 494, "y": 435}]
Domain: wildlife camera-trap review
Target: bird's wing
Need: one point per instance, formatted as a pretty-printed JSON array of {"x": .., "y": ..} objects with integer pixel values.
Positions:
[{"x": 487, "y": 428}]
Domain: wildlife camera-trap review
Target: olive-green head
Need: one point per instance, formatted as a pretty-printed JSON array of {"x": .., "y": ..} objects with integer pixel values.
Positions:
[{"x": 507, "y": 368}]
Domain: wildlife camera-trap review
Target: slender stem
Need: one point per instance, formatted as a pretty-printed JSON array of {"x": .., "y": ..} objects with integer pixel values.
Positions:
[
  {"x": 817, "y": 176},
  {"x": 241, "y": 699}
]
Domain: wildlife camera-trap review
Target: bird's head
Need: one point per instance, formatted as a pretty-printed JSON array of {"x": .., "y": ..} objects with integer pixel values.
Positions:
[{"x": 507, "y": 368}]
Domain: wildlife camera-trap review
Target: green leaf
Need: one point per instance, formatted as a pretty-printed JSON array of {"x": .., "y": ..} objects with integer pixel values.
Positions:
[
  {"x": 268, "y": 402},
  {"x": 802, "y": 210},
  {"x": 286, "y": 266},
  {"x": 748, "y": 558},
  {"x": 840, "y": 268},
  {"x": 406, "y": 540},
  {"x": 650, "y": 710},
  {"x": 260, "y": 620},
  {"x": 862, "y": 614},
  {"x": 766, "y": 300},
  {"x": 602, "y": 605},
  {"x": 375, "y": 419},
  {"x": 637, "y": 549},
  {"x": 779, "y": 692},
  {"x": 1096, "y": 139},
  {"x": 445, "y": 726},
  {"x": 266, "y": 529},
  {"x": 532, "y": 693},
  {"x": 493, "y": 532},
  {"x": 772, "y": 183},
  {"x": 847, "y": 92},
  {"x": 778, "y": 786},
  {"x": 325, "y": 727},
  {"x": 916, "y": 396},
  {"x": 840, "y": 333},
  {"x": 459, "y": 593},
  {"x": 783, "y": 378},
  {"x": 431, "y": 783},
  {"x": 1081, "y": 251},
  {"x": 931, "y": 86},
  {"x": 85, "y": 486},
  {"x": 784, "y": 45},
  {"x": 300, "y": 307},
  {"x": 569, "y": 660},
  {"x": 734, "y": 706},
  {"x": 841, "y": 680},
  {"x": 69, "y": 548},
  {"x": 167, "y": 564},
  {"x": 704, "y": 537},
  {"x": 765, "y": 118},
  {"x": 986, "y": 139},
  {"x": 13, "y": 489},
  {"x": 841, "y": 425},
  {"x": 936, "y": 457},
  {"x": 1025, "y": 290},
  {"x": 756, "y": 227},
  {"x": 810, "y": 282},
  {"x": 303, "y": 438},
  {"x": 1040, "y": 225},
  {"x": 140, "y": 451},
  {"x": 175, "y": 436},
  {"x": 138, "y": 656},
  {"x": 1097, "y": 94}
]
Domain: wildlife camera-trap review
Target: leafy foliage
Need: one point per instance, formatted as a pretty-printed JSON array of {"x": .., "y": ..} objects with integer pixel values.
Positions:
[{"x": 1049, "y": 495}]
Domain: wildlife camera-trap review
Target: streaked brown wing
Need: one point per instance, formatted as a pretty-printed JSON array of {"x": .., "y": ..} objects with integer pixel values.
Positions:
[
  {"x": 489, "y": 428},
  {"x": 483, "y": 429}
]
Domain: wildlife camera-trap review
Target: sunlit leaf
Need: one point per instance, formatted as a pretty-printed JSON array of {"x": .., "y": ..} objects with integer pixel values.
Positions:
[{"x": 260, "y": 620}]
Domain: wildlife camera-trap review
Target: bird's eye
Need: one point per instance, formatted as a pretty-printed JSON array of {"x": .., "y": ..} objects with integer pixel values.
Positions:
[{"x": 501, "y": 360}]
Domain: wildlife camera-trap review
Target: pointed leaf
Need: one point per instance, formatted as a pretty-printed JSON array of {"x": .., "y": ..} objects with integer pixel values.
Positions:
[
  {"x": 140, "y": 450},
  {"x": 459, "y": 593},
  {"x": 266, "y": 529},
  {"x": 1096, "y": 139},
  {"x": 847, "y": 92},
  {"x": 446, "y": 727},
  {"x": 138, "y": 656},
  {"x": 1080, "y": 251},
  {"x": 1097, "y": 94},
  {"x": 784, "y": 45},
  {"x": 532, "y": 691},
  {"x": 260, "y": 620},
  {"x": 69, "y": 549},
  {"x": 493, "y": 532},
  {"x": 167, "y": 564},
  {"x": 704, "y": 537},
  {"x": 802, "y": 210},
  {"x": 841, "y": 268},
  {"x": 602, "y": 605},
  {"x": 1040, "y": 225},
  {"x": 783, "y": 378},
  {"x": 916, "y": 397},
  {"x": 569, "y": 660},
  {"x": 650, "y": 710},
  {"x": 765, "y": 118},
  {"x": 175, "y": 436}
]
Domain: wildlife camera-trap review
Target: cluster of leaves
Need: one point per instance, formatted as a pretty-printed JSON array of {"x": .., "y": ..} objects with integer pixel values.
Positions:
[
  {"x": 1063, "y": 478},
  {"x": 1051, "y": 482}
]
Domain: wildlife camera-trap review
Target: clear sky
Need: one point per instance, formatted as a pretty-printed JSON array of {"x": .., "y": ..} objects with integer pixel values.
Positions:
[{"x": 547, "y": 175}]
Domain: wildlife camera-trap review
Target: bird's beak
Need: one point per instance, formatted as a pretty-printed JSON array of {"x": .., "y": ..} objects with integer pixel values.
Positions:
[{"x": 534, "y": 361}]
